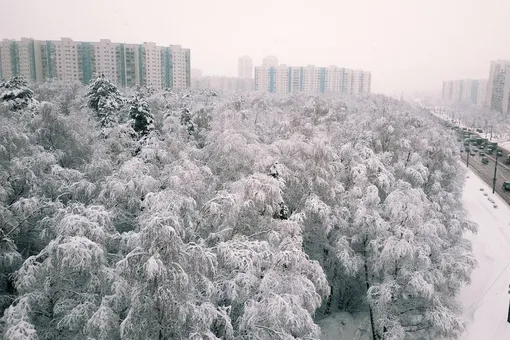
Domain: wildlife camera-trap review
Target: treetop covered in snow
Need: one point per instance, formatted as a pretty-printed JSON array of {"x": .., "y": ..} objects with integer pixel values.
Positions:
[{"x": 198, "y": 216}]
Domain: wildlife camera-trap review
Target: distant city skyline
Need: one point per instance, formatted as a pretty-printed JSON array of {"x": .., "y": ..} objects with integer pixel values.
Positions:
[
  {"x": 126, "y": 64},
  {"x": 493, "y": 92},
  {"x": 408, "y": 46}
]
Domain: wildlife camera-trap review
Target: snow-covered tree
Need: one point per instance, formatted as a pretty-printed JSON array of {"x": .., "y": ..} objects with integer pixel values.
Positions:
[
  {"x": 16, "y": 95},
  {"x": 105, "y": 99},
  {"x": 142, "y": 120}
]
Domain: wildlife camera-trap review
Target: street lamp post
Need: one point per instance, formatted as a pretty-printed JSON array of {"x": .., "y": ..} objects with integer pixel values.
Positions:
[
  {"x": 495, "y": 171},
  {"x": 467, "y": 158},
  {"x": 508, "y": 317}
]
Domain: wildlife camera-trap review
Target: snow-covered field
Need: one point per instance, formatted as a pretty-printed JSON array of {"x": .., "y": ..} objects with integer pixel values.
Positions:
[{"x": 486, "y": 299}]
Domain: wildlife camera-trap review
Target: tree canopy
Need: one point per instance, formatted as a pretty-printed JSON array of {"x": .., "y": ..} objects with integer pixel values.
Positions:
[{"x": 246, "y": 217}]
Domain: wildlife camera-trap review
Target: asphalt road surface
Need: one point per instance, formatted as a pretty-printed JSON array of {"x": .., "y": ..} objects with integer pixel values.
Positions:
[{"x": 486, "y": 171}]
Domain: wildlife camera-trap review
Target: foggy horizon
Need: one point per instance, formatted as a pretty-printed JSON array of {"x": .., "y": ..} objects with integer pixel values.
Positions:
[{"x": 407, "y": 46}]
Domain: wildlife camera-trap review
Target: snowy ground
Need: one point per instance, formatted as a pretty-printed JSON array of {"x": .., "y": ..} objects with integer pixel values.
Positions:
[{"x": 486, "y": 300}]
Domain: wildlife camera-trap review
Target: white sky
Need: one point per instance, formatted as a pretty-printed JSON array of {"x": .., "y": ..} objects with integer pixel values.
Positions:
[{"x": 409, "y": 45}]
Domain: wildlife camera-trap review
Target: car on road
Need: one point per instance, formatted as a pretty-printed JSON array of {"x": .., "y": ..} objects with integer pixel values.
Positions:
[
  {"x": 489, "y": 151},
  {"x": 507, "y": 159},
  {"x": 472, "y": 153},
  {"x": 500, "y": 153},
  {"x": 506, "y": 185},
  {"x": 482, "y": 154},
  {"x": 485, "y": 160},
  {"x": 482, "y": 147}
]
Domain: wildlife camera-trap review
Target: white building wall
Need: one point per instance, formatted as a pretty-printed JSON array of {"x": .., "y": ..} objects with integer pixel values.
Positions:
[
  {"x": 481, "y": 96},
  {"x": 262, "y": 78},
  {"x": 270, "y": 61},
  {"x": 67, "y": 59},
  {"x": 367, "y": 82},
  {"x": 281, "y": 79},
  {"x": 105, "y": 59},
  {"x": 245, "y": 67},
  {"x": 179, "y": 66},
  {"x": 25, "y": 62},
  {"x": 5, "y": 58}
]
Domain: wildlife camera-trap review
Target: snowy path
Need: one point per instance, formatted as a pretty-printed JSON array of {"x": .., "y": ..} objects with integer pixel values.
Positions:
[{"x": 485, "y": 301}]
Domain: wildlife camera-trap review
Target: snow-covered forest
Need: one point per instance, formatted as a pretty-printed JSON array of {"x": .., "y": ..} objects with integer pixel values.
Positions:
[{"x": 139, "y": 214}]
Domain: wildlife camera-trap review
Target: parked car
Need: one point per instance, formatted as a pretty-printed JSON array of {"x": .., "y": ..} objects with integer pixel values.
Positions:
[
  {"x": 500, "y": 153},
  {"x": 485, "y": 160},
  {"x": 482, "y": 154},
  {"x": 489, "y": 151},
  {"x": 506, "y": 185},
  {"x": 482, "y": 147},
  {"x": 472, "y": 153}
]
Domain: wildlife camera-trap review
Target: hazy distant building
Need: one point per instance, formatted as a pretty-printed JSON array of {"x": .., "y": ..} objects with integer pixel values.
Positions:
[
  {"x": 245, "y": 67},
  {"x": 270, "y": 61},
  {"x": 498, "y": 86},
  {"x": 196, "y": 73},
  {"x": 310, "y": 79},
  {"x": 467, "y": 91},
  {"x": 68, "y": 60},
  {"x": 223, "y": 84},
  {"x": 482, "y": 92}
]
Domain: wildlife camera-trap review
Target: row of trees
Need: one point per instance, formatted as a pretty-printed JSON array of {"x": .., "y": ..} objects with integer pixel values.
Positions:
[{"x": 196, "y": 216}]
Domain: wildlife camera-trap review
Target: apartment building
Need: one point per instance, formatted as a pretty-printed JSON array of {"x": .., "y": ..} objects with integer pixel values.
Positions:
[
  {"x": 467, "y": 91},
  {"x": 310, "y": 79},
  {"x": 270, "y": 61},
  {"x": 245, "y": 67},
  {"x": 481, "y": 96},
  {"x": 125, "y": 64},
  {"x": 498, "y": 86}
]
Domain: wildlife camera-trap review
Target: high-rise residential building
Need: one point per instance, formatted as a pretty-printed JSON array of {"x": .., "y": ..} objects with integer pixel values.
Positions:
[
  {"x": 245, "y": 67},
  {"x": 482, "y": 92},
  {"x": 284, "y": 79},
  {"x": 498, "y": 86},
  {"x": 270, "y": 61},
  {"x": 125, "y": 64},
  {"x": 467, "y": 91}
]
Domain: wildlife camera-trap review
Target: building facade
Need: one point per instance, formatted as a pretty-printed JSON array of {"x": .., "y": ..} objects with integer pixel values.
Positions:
[
  {"x": 482, "y": 92},
  {"x": 245, "y": 67},
  {"x": 270, "y": 61},
  {"x": 498, "y": 86},
  {"x": 466, "y": 91},
  {"x": 283, "y": 79},
  {"x": 125, "y": 64}
]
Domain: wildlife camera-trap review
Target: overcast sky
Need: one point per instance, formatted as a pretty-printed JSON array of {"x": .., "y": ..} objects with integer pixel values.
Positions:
[{"x": 408, "y": 45}]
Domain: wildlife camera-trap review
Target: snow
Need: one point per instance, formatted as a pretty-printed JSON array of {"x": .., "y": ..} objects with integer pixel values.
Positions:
[
  {"x": 344, "y": 326},
  {"x": 486, "y": 300}
]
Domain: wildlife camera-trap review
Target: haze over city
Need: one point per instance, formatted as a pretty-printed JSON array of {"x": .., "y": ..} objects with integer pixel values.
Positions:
[{"x": 407, "y": 45}]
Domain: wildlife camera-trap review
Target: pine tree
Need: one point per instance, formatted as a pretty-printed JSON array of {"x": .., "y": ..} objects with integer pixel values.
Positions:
[
  {"x": 16, "y": 95},
  {"x": 142, "y": 120},
  {"x": 105, "y": 99}
]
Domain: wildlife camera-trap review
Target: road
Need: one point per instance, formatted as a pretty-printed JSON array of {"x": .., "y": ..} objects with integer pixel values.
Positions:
[{"x": 486, "y": 171}]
